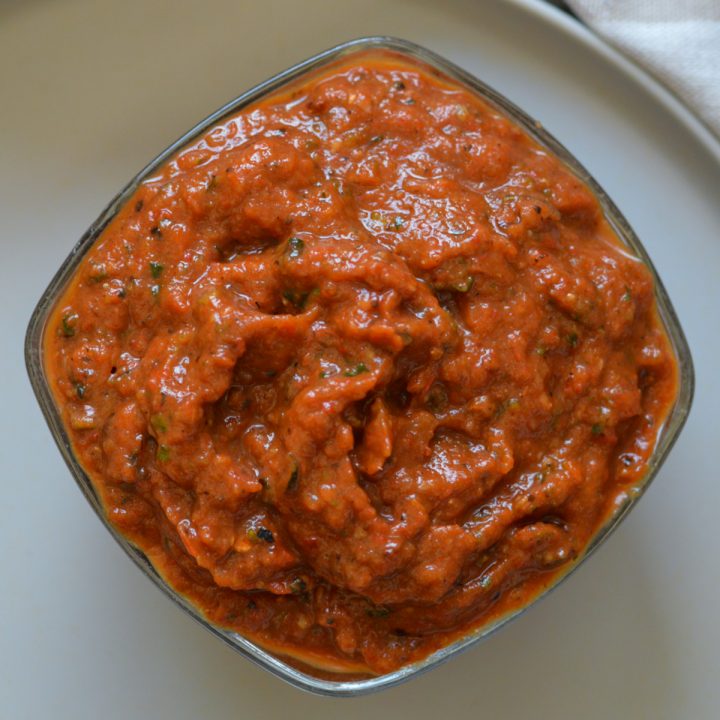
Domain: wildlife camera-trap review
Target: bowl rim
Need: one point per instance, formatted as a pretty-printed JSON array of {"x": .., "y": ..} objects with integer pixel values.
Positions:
[{"x": 34, "y": 341}]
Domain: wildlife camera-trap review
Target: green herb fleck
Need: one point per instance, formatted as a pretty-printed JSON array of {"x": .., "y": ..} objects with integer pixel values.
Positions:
[
  {"x": 296, "y": 298},
  {"x": 266, "y": 535},
  {"x": 627, "y": 295},
  {"x": 311, "y": 296},
  {"x": 355, "y": 371},
  {"x": 163, "y": 453},
  {"x": 509, "y": 404},
  {"x": 67, "y": 327},
  {"x": 377, "y": 611},
  {"x": 377, "y": 138},
  {"x": 399, "y": 85},
  {"x": 397, "y": 223},
  {"x": 99, "y": 273},
  {"x": 572, "y": 339},
  {"x": 156, "y": 269},
  {"x": 464, "y": 286},
  {"x": 79, "y": 389},
  {"x": 295, "y": 247},
  {"x": 298, "y": 586},
  {"x": 437, "y": 398},
  {"x": 597, "y": 429},
  {"x": 159, "y": 423},
  {"x": 540, "y": 350}
]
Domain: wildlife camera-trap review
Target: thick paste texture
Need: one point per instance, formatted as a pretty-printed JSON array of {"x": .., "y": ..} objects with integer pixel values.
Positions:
[{"x": 362, "y": 368}]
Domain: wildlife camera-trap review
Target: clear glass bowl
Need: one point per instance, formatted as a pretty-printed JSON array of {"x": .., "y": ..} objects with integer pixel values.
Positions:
[{"x": 305, "y": 677}]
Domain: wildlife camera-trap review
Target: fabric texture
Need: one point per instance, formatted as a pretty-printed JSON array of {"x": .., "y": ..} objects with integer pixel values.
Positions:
[{"x": 678, "y": 41}]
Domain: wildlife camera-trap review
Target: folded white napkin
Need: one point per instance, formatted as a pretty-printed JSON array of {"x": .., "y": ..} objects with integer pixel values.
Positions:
[{"x": 676, "y": 40}]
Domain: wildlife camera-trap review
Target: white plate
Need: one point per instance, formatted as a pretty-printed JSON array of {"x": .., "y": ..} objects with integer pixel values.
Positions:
[{"x": 90, "y": 92}]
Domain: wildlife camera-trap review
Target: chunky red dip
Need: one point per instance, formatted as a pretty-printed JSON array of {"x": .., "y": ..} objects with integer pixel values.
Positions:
[{"x": 363, "y": 368}]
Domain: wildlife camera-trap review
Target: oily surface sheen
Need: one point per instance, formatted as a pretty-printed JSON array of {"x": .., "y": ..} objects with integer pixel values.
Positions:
[{"x": 362, "y": 368}]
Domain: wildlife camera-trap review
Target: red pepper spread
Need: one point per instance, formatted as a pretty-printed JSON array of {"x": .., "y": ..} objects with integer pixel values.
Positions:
[{"x": 362, "y": 368}]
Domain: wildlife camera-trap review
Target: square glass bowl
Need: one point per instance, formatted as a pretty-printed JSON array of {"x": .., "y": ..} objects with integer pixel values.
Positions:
[{"x": 305, "y": 677}]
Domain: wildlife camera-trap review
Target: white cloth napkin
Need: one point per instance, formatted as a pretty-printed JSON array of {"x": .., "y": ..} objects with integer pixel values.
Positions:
[{"x": 676, "y": 40}]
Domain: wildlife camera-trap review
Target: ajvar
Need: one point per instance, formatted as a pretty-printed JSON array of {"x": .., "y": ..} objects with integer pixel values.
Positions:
[{"x": 362, "y": 368}]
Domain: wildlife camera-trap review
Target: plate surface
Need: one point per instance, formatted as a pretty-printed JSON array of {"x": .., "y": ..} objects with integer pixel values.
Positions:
[{"x": 91, "y": 93}]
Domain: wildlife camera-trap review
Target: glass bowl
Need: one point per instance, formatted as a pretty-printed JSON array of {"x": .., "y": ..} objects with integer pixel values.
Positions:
[{"x": 303, "y": 676}]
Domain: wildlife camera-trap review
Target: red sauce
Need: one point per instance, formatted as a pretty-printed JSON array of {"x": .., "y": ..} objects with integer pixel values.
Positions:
[{"x": 361, "y": 369}]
